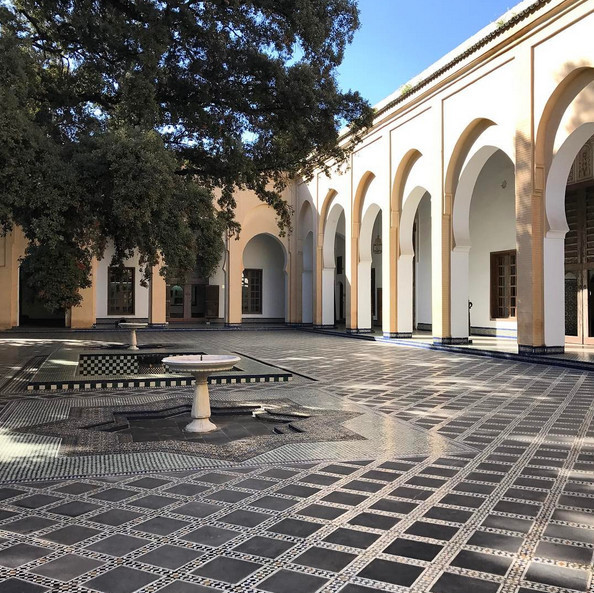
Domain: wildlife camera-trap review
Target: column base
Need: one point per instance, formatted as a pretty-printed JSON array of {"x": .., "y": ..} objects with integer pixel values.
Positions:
[
  {"x": 398, "y": 335},
  {"x": 358, "y": 330},
  {"x": 536, "y": 350},
  {"x": 451, "y": 341},
  {"x": 233, "y": 325},
  {"x": 200, "y": 425},
  {"x": 326, "y": 326},
  {"x": 163, "y": 325}
]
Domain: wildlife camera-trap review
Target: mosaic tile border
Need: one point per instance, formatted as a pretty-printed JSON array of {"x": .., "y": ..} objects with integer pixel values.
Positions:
[{"x": 151, "y": 382}]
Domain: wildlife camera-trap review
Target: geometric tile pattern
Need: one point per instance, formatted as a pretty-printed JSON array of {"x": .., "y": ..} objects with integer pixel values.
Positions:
[
  {"x": 52, "y": 430},
  {"x": 127, "y": 383},
  {"x": 108, "y": 364},
  {"x": 97, "y": 430},
  {"x": 513, "y": 515}
]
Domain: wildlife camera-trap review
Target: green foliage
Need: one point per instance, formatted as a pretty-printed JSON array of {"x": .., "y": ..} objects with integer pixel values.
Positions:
[{"x": 120, "y": 118}]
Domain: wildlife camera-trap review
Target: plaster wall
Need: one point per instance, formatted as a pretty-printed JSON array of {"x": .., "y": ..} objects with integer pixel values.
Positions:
[
  {"x": 372, "y": 158},
  {"x": 409, "y": 133},
  {"x": 484, "y": 95}
]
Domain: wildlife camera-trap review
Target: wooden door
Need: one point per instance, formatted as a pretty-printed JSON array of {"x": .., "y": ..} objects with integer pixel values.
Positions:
[{"x": 579, "y": 266}]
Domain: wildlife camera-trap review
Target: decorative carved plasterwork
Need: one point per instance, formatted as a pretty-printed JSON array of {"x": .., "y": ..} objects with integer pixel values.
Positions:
[
  {"x": 571, "y": 176},
  {"x": 584, "y": 162},
  {"x": 582, "y": 168}
]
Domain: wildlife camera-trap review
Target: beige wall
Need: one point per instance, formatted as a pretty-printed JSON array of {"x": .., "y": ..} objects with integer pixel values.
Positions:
[{"x": 12, "y": 247}]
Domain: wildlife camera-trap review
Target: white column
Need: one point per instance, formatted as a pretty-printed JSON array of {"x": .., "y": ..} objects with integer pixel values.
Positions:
[
  {"x": 307, "y": 296},
  {"x": 328, "y": 296},
  {"x": 405, "y": 294},
  {"x": 459, "y": 292},
  {"x": 364, "y": 310},
  {"x": 554, "y": 289}
]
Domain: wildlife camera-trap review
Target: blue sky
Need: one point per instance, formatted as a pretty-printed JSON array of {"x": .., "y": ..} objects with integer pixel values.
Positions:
[{"x": 400, "y": 38}]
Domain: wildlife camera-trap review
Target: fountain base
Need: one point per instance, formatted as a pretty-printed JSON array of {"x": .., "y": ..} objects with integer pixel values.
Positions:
[{"x": 200, "y": 425}]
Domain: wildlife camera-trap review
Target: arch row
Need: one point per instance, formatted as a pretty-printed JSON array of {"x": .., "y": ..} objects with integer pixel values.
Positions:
[{"x": 451, "y": 246}]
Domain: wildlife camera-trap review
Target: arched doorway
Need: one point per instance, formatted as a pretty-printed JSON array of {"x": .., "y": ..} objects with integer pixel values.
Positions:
[
  {"x": 264, "y": 282},
  {"x": 492, "y": 286},
  {"x": 483, "y": 259},
  {"x": 422, "y": 309},
  {"x": 370, "y": 298},
  {"x": 333, "y": 272},
  {"x": 414, "y": 264}
]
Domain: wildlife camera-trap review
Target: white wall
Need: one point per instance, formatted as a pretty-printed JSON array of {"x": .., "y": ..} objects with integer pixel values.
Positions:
[
  {"x": 141, "y": 293},
  {"x": 492, "y": 228},
  {"x": 423, "y": 261},
  {"x": 265, "y": 253}
]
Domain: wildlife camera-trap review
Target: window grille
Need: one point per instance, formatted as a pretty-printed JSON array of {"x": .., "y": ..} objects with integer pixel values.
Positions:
[{"x": 503, "y": 285}]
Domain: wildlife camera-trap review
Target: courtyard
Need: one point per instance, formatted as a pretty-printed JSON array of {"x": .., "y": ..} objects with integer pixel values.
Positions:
[{"x": 416, "y": 470}]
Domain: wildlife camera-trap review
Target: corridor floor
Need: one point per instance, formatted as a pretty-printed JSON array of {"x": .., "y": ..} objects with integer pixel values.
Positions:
[{"x": 494, "y": 494}]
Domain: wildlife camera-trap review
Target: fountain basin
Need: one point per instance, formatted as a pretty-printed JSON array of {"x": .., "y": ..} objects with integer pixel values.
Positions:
[
  {"x": 200, "y": 363},
  {"x": 201, "y": 366}
]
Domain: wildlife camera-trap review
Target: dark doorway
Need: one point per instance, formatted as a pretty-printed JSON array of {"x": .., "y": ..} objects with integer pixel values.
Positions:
[
  {"x": 32, "y": 311},
  {"x": 579, "y": 265},
  {"x": 192, "y": 302}
]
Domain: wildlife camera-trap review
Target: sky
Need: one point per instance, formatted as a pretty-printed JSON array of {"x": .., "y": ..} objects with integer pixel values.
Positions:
[{"x": 398, "y": 39}]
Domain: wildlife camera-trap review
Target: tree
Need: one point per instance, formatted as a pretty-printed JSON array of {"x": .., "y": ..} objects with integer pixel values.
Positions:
[{"x": 121, "y": 120}]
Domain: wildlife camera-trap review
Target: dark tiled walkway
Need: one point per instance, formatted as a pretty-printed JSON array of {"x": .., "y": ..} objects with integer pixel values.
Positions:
[{"x": 515, "y": 516}]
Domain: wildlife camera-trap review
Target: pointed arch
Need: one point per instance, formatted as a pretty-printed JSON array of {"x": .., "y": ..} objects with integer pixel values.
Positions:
[
  {"x": 402, "y": 175},
  {"x": 480, "y": 140}
]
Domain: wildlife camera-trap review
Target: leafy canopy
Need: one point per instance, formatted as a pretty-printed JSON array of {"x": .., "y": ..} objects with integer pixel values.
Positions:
[{"x": 122, "y": 119}]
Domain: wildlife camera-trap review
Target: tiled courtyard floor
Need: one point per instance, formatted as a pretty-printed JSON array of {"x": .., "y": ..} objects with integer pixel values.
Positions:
[{"x": 500, "y": 500}]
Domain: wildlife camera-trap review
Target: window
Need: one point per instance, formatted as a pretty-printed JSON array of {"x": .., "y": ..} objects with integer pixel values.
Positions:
[
  {"x": 339, "y": 269},
  {"x": 120, "y": 291},
  {"x": 503, "y": 285},
  {"x": 251, "y": 291}
]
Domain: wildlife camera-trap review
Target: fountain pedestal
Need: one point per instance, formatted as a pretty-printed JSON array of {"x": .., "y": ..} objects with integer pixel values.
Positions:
[
  {"x": 132, "y": 326},
  {"x": 201, "y": 366}
]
